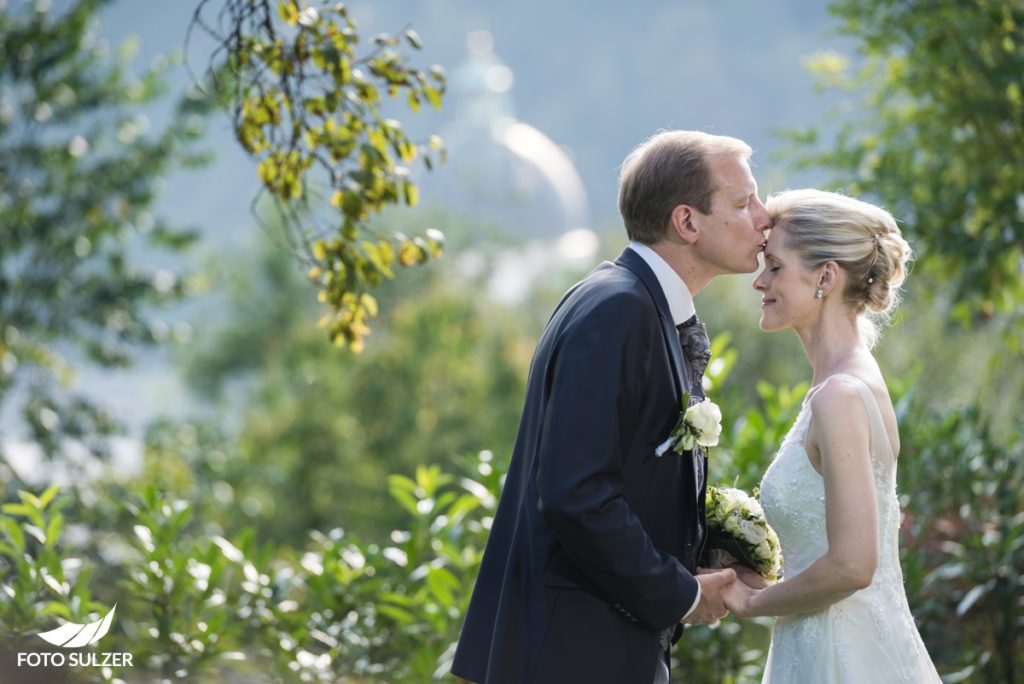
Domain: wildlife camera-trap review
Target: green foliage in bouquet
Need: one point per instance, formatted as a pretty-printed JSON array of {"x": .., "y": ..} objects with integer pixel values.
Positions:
[{"x": 737, "y": 527}]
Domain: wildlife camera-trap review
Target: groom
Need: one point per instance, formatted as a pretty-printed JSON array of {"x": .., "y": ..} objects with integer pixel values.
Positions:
[{"x": 591, "y": 563}]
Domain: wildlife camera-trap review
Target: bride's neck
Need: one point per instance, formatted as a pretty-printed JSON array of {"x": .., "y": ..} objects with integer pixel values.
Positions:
[{"x": 830, "y": 346}]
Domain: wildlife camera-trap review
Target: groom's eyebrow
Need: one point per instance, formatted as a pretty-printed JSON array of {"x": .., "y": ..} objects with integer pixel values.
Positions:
[
  {"x": 745, "y": 191},
  {"x": 738, "y": 192}
]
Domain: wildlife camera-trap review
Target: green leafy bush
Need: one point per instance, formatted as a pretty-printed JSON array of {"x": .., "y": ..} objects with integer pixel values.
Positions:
[
  {"x": 196, "y": 606},
  {"x": 963, "y": 539}
]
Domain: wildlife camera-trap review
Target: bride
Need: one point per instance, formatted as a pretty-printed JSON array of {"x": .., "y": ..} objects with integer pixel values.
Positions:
[{"x": 833, "y": 266}]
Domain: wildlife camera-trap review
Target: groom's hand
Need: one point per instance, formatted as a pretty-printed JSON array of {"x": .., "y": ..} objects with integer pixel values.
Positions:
[
  {"x": 711, "y": 608},
  {"x": 750, "y": 577}
]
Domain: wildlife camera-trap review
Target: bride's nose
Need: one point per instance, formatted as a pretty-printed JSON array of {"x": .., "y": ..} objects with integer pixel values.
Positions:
[{"x": 757, "y": 284}]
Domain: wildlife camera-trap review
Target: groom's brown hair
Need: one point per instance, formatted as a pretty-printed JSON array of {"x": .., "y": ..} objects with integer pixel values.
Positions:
[{"x": 666, "y": 170}]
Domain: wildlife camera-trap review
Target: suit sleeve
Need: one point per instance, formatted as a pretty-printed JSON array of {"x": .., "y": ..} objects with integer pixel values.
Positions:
[{"x": 594, "y": 384}]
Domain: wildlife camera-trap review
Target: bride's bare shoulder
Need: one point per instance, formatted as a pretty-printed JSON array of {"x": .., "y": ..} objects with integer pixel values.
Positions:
[{"x": 838, "y": 397}]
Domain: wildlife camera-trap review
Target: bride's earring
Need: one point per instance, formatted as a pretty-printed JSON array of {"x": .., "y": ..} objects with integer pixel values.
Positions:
[{"x": 820, "y": 293}]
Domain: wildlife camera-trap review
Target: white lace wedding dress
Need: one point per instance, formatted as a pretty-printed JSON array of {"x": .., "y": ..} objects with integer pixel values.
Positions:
[{"x": 870, "y": 636}]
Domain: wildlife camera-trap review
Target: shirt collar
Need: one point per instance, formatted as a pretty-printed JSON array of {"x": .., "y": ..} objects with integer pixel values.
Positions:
[{"x": 680, "y": 301}]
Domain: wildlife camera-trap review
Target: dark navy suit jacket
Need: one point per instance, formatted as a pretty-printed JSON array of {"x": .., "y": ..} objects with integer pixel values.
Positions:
[{"x": 595, "y": 539}]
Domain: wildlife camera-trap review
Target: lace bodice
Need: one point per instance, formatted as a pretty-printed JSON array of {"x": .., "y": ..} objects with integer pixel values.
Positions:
[
  {"x": 869, "y": 636},
  {"x": 793, "y": 495}
]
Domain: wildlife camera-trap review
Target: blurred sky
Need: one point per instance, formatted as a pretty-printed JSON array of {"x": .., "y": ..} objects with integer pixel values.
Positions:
[{"x": 596, "y": 77}]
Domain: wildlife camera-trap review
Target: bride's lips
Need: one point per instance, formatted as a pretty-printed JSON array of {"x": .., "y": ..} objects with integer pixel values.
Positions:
[{"x": 767, "y": 301}]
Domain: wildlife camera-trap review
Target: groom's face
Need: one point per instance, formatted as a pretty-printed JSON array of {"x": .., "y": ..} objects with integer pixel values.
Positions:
[{"x": 732, "y": 235}]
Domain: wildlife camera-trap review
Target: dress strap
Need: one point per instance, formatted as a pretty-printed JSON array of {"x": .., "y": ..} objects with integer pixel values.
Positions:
[{"x": 879, "y": 435}]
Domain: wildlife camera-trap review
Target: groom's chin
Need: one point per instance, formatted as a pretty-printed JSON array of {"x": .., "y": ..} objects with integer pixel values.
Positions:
[
  {"x": 745, "y": 269},
  {"x": 753, "y": 265}
]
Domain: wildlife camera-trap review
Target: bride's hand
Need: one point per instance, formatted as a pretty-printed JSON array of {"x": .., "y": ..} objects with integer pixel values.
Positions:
[
  {"x": 738, "y": 597},
  {"x": 751, "y": 578}
]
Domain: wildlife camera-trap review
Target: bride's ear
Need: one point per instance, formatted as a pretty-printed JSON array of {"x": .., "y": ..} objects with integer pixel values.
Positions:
[
  {"x": 830, "y": 276},
  {"x": 682, "y": 224}
]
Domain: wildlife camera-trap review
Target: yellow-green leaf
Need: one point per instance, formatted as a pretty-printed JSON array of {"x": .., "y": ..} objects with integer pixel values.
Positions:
[
  {"x": 412, "y": 193},
  {"x": 289, "y": 12}
]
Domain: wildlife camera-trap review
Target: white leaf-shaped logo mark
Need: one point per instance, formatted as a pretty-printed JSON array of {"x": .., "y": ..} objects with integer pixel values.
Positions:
[{"x": 74, "y": 635}]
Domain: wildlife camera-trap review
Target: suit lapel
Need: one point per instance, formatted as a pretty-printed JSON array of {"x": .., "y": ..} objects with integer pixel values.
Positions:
[{"x": 635, "y": 263}]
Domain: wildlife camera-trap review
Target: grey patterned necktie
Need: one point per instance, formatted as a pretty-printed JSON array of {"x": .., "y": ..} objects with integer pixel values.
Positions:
[{"x": 697, "y": 348}]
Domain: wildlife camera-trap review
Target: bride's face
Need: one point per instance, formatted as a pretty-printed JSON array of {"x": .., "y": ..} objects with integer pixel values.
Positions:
[{"x": 786, "y": 285}]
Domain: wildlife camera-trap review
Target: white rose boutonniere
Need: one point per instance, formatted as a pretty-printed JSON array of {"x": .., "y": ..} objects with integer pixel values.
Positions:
[
  {"x": 700, "y": 424},
  {"x": 706, "y": 420}
]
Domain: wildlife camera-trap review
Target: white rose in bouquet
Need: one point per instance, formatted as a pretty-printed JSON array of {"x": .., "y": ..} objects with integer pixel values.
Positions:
[
  {"x": 754, "y": 506},
  {"x": 738, "y": 529},
  {"x": 753, "y": 532},
  {"x": 730, "y": 499}
]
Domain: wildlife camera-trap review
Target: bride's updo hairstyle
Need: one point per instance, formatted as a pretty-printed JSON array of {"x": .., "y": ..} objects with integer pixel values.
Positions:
[{"x": 861, "y": 238}]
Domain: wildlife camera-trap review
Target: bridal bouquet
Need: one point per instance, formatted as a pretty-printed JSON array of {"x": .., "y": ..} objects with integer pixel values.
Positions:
[{"x": 739, "y": 533}]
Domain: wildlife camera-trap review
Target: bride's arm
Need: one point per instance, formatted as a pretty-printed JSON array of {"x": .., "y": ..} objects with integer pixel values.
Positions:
[{"x": 842, "y": 437}]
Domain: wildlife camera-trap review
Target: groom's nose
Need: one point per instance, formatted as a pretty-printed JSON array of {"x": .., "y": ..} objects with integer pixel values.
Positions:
[{"x": 761, "y": 220}]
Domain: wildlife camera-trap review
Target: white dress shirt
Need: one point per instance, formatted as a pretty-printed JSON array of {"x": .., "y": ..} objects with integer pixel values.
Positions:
[{"x": 680, "y": 301}]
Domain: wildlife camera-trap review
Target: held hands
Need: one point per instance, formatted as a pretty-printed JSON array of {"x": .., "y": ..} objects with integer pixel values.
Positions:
[
  {"x": 750, "y": 577},
  {"x": 712, "y": 608},
  {"x": 739, "y": 595}
]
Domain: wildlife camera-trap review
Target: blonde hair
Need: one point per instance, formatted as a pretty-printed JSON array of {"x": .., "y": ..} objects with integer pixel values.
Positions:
[
  {"x": 861, "y": 238},
  {"x": 666, "y": 170}
]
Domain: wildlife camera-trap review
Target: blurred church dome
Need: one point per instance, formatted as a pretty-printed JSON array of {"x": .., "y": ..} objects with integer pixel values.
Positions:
[{"x": 504, "y": 177}]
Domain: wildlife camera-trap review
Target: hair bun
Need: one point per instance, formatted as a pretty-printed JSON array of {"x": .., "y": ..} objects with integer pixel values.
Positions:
[{"x": 887, "y": 272}]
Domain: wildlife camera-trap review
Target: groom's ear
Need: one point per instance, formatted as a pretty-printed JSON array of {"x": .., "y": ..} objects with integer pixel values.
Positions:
[{"x": 682, "y": 223}]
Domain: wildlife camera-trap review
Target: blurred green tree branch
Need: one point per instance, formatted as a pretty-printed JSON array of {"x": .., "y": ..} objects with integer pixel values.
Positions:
[
  {"x": 937, "y": 136},
  {"x": 306, "y": 105},
  {"x": 78, "y": 176}
]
